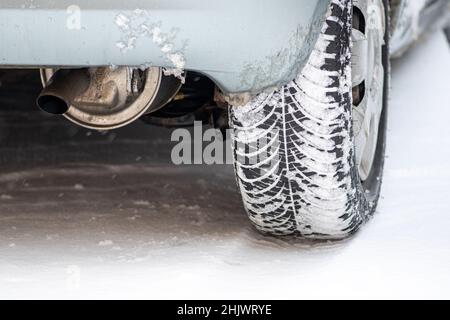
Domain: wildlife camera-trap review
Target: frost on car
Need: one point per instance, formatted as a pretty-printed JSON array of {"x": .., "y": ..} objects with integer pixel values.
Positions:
[{"x": 301, "y": 84}]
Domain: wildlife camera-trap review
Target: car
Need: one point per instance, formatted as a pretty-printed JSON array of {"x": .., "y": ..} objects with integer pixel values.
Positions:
[{"x": 300, "y": 85}]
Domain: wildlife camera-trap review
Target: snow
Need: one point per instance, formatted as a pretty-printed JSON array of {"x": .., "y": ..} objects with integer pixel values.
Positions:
[
  {"x": 153, "y": 230},
  {"x": 140, "y": 25}
]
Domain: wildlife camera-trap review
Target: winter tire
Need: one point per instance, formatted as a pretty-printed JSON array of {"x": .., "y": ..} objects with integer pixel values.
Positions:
[{"x": 309, "y": 156}]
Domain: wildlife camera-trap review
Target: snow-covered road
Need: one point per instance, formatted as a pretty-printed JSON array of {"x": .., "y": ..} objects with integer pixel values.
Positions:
[{"x": 89, "y": 215}]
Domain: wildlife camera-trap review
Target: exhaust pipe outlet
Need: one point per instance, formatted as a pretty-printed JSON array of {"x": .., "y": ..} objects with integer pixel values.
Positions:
[
  {"x": 105, "y": 98},
  {"x": 62, "y": 90}
]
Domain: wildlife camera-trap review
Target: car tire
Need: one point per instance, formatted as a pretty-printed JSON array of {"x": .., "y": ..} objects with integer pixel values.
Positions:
[{"x": 295, "y": 148}]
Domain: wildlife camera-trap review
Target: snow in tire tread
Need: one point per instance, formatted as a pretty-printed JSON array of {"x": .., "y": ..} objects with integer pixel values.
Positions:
[{"x": 312, "y": 190}]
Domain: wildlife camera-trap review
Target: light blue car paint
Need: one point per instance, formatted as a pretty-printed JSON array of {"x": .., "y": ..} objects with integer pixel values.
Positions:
[{"x": 243, "y": 45}]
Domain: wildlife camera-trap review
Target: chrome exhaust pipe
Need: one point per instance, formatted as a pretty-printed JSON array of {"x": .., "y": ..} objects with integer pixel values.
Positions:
[{"x": 62, "y": 89}]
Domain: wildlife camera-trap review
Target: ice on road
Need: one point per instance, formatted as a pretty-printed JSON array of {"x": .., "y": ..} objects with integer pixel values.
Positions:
[{"x": 89, "y": 215}]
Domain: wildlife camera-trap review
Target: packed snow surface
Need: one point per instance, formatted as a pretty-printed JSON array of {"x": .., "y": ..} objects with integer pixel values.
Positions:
[{"x": 90, "y": 215}]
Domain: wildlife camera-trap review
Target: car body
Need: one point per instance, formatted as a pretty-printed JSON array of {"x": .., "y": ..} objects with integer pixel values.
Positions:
[
  {"x": 411, "y": 18},
  {"x": 216, "y": 38},
  {"x": 243, "y": 46}
]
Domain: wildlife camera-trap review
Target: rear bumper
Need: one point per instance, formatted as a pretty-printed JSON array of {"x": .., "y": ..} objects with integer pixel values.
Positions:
[{"x": 244, "y": 46}]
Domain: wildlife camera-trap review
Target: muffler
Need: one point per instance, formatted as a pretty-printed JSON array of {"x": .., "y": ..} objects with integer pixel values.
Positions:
[{"x": 105, "y": 98}]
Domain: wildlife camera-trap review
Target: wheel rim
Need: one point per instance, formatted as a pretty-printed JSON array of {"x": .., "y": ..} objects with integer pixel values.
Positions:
[{"x": 369, "y": 27}]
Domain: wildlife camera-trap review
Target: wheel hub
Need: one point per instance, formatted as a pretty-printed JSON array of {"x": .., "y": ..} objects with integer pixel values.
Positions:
[{"x": 368, "y": 32}]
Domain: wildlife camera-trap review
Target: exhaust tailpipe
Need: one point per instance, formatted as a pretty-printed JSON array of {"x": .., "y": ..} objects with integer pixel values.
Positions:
[
  {"x": 62, "y": 90},
  {"x": 105, "y": 98}
]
